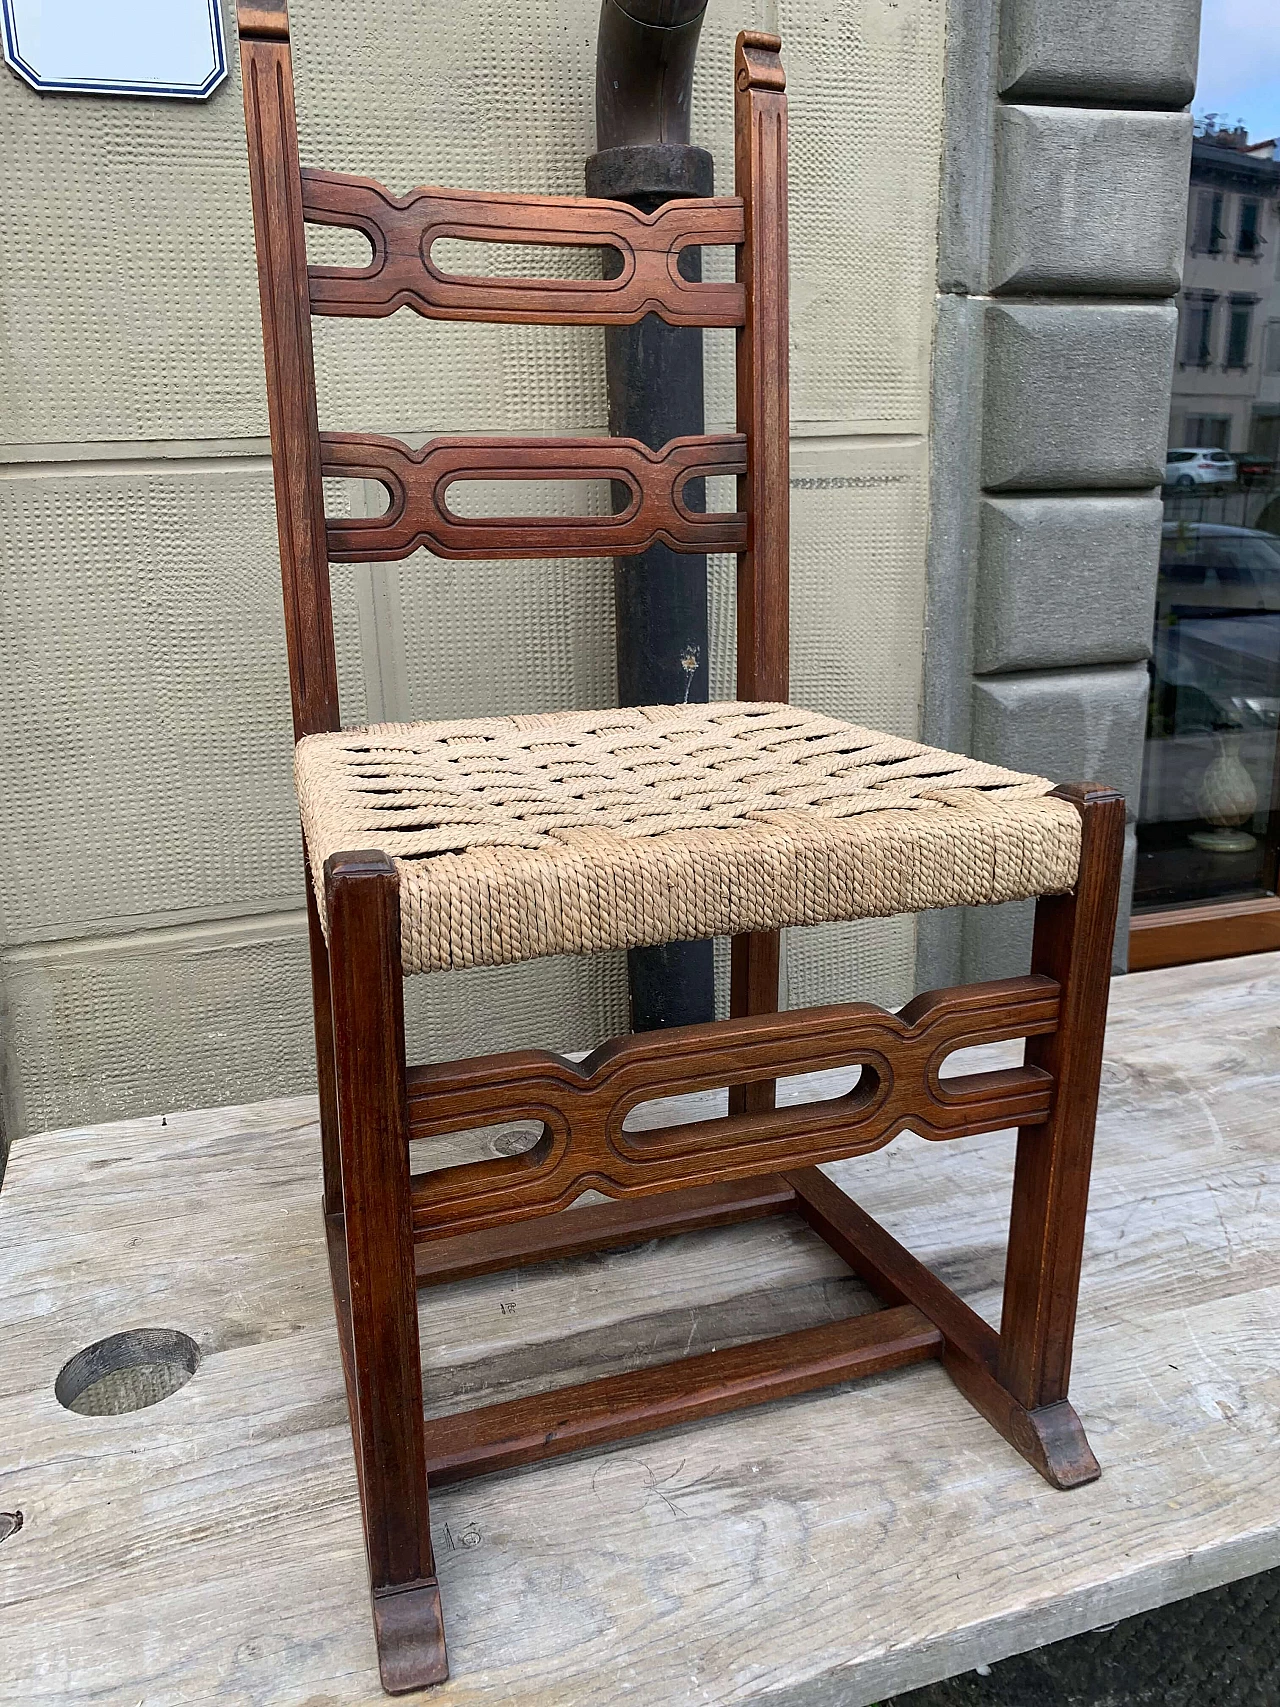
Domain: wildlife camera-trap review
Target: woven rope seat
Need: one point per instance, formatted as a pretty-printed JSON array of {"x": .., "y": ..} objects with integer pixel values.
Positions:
[{"x": 570, "y": 832}]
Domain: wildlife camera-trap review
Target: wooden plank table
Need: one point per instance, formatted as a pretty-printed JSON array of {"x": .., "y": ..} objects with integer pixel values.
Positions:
[{"x": 825, "y": 1550}]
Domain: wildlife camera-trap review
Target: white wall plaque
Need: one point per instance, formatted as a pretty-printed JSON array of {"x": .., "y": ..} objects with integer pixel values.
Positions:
[{"x": 117, "y": 47}]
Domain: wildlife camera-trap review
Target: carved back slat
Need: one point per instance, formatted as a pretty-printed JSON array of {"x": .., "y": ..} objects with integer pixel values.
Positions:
[
  {"x": 402, "y": 273},
  {"x": 419, "y": 514}
]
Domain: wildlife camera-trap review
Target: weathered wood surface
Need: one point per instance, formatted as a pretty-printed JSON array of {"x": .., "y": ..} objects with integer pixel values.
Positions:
[{"x": 823, "y": 1550}]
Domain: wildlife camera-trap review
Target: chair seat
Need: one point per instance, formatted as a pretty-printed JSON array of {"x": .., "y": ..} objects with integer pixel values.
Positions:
[{"x": 571, "y": 832}]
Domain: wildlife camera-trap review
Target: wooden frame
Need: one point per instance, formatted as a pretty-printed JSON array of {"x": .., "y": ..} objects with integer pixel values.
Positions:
[
  {"x": 1213, "y": 930},
  {"x": 390, "y": 1233}
]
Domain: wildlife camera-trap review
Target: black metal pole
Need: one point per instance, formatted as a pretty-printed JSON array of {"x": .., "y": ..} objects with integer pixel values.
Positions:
[{"x": 644, "y": 77}]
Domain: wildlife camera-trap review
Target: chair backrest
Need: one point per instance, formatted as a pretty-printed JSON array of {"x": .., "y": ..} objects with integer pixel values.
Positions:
[{"x": 401, "y": 230}]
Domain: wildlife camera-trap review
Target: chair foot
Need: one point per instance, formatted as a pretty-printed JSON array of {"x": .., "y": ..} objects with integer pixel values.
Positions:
[
  {"x": 408, "y": 1627},
  {"x": 1052, "y": 1439}
]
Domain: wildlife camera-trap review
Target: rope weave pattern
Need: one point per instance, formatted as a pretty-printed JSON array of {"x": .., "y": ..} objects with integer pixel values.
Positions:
[{"x": 571, "y": 832}]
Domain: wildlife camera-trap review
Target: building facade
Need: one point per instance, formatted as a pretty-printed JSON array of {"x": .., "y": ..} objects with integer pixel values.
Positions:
[
  {"x": 1226, "y": 386},
  {"x": 986, "y": 217}
]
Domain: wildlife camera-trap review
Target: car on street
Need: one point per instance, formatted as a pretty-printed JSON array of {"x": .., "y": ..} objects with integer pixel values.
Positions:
[{"x": 1191, "y": 467}]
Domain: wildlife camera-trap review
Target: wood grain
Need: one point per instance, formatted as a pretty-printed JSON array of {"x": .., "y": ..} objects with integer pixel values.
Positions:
[
  {"x": 401, "y": 273},
  {"x": 764, "y": 416},
  {"x": 764, "y": 411},
  {"x": 373, "y": 1267},
  {"x": 1050, "y": 1438},
  {"x": 1213, "y": 931},
  {"x": 600, "y": 1227},
  {"x": 568, "y": 1419},
  {"x": 1071, "y": 944},
  {"x": 209, "y": 1550},
  {"x": 587, "y": 1143},
  {"x": 418, "y": 482},
  {"x": 269, "y": 18},
  {"x": 275, "y": 187}
]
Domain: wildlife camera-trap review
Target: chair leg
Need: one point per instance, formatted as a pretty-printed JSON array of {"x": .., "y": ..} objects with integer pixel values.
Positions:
[
  {"x": 753, "y": 989},
  {"x": 322, "y": 1006},
  {"x": 1073, "y": 937},
  {"x": 363, "y": 902}
]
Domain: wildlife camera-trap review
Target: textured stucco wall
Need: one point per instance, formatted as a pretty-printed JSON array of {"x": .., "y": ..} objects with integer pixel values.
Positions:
[
  {"x": 151, "y": 937},
  {"x": 1063, "y": 202}
]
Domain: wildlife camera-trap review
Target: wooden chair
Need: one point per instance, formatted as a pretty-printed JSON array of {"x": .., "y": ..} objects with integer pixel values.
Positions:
[{"x": 436, "y": 845}]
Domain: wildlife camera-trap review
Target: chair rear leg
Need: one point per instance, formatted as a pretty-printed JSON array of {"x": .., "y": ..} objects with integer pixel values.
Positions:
[
  {"x": 753, "y": 989},
  {"x": 1073, "y": 937},
  {"x": 363, "y": 901}
]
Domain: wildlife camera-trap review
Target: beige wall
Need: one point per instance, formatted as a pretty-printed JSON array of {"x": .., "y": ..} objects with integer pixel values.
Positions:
[{"x": 151, "y": 939}]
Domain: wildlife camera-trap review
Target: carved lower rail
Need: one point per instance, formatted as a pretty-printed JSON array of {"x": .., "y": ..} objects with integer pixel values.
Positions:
[{"x": 583, "y": 1107}]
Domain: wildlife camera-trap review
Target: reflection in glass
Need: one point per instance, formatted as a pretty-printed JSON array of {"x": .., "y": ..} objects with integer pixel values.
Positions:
[
  {"x": 1208, "y": 828},
  {"x": 1205, "y": 816}
]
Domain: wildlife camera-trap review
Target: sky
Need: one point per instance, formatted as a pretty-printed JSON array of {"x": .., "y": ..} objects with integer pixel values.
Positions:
[{"x": 1240, "y": 64}]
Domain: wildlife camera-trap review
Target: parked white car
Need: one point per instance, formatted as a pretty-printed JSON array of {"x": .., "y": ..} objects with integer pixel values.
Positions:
[{"x": 1199, "y": 468}]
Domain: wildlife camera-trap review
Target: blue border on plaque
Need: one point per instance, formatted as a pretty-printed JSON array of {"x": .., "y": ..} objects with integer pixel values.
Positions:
[{"x": 117, "y": 86}]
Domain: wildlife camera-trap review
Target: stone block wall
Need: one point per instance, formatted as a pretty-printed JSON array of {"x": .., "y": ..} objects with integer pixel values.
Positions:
[{"x": 1063, "y": 206}]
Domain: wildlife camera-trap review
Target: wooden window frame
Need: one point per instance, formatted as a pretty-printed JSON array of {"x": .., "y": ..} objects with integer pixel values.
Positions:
[{"x": 1218, "y": 930}]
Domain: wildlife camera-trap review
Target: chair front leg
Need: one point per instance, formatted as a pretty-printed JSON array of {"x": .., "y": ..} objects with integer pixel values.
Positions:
[
  {"x": 363, "y": 903},
  {"x": 1073, "y": 937}
]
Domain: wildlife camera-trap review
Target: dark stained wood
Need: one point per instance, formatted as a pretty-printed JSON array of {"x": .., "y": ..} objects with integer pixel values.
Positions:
[
  {"x": 326, "y": 1082},
  {"x": 1072, "y": 944},
  {"x": 402, "y": 272},
  {"x": 418, "y": 483},
  {"x": 522, "y": 1431},
  {"x": 408, "y": 1623},
  {"x": 1050, "y": 1439},
  {"x": 583, "y": 1106},
  {"x": 764, "y": 411},
  {"x": 363, "y": 908},
  {"x": 479, "y": 1218},
  {"x": 268, "y": 18},
  {"x": 1218, "y": 930},
  {"x": 291, "y": 382},
  {"x": 599, "y": 1227},
  {"x": 764, "y": 416},
  {"x": 754, "y": 967}
]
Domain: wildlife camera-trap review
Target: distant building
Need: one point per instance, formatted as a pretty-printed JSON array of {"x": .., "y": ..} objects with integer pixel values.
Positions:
[{"x": 1226, "y": 384}]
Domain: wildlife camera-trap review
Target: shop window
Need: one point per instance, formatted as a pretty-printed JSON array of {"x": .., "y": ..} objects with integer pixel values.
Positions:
[{"x": 1207, "y": 876}]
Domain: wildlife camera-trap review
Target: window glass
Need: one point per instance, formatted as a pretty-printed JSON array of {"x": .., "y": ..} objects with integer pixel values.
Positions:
[
  {"x": 1248, "y": 238},
  {"x": 1238, "y": 334},
  {"x": 1197, "y": 329},
  {"x": 1208, "y": 830}
]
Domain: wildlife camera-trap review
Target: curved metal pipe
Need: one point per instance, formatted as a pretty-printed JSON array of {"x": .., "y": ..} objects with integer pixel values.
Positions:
[{"x": 644, "y": 70}]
